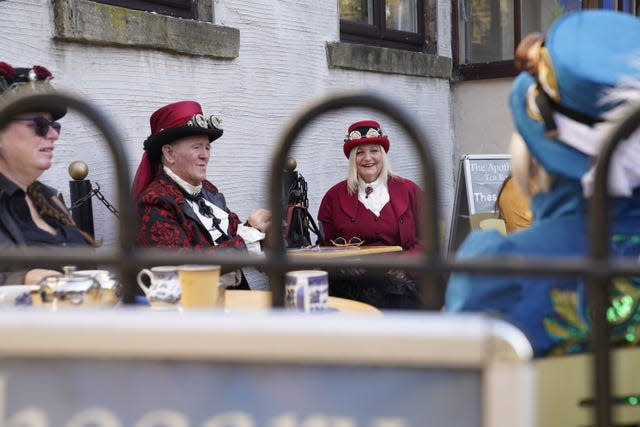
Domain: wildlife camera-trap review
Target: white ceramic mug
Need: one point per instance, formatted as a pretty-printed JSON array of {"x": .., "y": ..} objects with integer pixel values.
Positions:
[
  {"x": 16, "y": 294},
  {"x": 307, "y": 290},
  {"x": 164, "y": 288}
]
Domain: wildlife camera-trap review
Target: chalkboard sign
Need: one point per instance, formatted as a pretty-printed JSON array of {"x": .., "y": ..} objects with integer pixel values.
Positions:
[
  {"x": 483, "y": 177},
  {"x": 480, "y": 177}
]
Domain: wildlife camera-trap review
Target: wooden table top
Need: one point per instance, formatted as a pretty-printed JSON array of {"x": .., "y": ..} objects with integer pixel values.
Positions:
[
  {"x": 342, "y": 252},
  {"x": 261, "y": 300}
]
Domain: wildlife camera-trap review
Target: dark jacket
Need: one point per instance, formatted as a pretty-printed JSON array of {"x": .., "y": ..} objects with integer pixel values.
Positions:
[
  {"x": 167, "y": 220},
  {"x": 11, "y": 233}
]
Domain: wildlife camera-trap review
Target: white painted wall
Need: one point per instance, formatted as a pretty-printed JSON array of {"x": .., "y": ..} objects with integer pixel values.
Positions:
[
  {"x": 481, "y": 116},
  {"x": 281, "y": 68}
]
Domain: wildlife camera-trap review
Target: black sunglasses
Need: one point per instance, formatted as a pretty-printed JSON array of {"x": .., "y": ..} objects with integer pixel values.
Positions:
[{"x": 41, "y": 125}]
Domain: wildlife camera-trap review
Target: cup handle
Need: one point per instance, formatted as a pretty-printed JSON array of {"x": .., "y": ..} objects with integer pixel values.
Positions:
[
  {"x": 225, "y": 279},
  {"x": 143, "y": 272}
]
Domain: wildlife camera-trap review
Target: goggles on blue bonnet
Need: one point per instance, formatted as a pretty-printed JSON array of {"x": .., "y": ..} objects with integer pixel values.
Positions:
[{"x": 563, "y": 102}]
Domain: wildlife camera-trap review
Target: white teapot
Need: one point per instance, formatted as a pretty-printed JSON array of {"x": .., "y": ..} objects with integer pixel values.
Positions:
[{"x": 68, "y": 289}]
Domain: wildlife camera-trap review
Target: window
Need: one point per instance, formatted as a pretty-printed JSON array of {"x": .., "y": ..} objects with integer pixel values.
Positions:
[
  {"x": 177, "y": 8},
  {"x": 486, "y": 32},
  {"x": 104, "y": 23},
  {"x": 388, "y": 23}
]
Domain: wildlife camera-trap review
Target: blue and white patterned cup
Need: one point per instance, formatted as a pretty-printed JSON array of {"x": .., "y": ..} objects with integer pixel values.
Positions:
[
  {"x": 164, "y": 288},
  {"x": 307, "y": 290}
]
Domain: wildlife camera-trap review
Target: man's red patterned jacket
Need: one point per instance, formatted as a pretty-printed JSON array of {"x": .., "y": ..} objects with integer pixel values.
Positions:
[{"x": 167, "y": 220}]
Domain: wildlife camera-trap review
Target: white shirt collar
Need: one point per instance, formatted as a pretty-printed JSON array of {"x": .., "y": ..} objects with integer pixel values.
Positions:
[
  {"x": 376, "y": 199},
  {"x": 191, "y": 189}
]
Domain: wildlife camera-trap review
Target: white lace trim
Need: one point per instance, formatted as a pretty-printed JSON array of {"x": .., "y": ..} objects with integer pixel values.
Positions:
[{"x": 377, "y": 199}]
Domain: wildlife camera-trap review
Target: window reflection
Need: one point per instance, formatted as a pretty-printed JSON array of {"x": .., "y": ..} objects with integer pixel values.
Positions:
[
  {"x": 359, "y": 11},
  {"x": 539, "y": 15},
  {"x": 486, "y": 27},
  {"x": 488, "y": 33},
  {"x": 401, "y": 15}
]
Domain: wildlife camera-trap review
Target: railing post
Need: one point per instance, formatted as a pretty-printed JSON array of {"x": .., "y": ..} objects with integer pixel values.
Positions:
[
  {"x": 289, "y": 176},
  {"x": 80, "y": 189},
  {"x": 598, "y": 286}
]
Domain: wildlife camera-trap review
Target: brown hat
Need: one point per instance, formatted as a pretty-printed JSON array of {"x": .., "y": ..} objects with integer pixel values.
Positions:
[
  {"x": 26, "y": 81},
  {"x": 178, "y": 120}
]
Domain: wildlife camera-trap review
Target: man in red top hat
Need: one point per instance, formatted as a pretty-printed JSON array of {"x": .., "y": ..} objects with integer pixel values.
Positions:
[{"x": 177, "y": 205}]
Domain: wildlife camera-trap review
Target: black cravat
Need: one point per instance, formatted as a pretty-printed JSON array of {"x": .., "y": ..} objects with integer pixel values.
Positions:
[{"x": 205, "y": 210}]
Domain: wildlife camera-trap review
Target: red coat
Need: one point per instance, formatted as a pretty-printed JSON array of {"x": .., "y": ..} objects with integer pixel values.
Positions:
[
  {"x": 167, "y": 220},
  {"x": 343, "y": 215}
]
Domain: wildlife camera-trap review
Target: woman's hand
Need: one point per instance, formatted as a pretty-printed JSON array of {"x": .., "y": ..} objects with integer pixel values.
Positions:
[{"x": 260, "y": 219}]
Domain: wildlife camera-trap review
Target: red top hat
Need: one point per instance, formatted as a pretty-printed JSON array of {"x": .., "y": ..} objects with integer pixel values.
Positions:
[
  {"x": 365, "y": 132},
  {"x": 178, "y": 120},
  {"x": 168, "y": 124}
]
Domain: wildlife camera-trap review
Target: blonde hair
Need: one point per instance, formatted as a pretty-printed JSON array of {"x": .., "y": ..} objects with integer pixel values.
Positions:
[
  {"x": 530, "y": 176},
  {"x": 352, "y": 173}
]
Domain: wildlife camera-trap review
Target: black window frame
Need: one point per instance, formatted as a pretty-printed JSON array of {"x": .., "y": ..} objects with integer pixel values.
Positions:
[
  {"x": 176, "y": 8},
  {"x": 496, "y": 69},
  {"x": 377, "y": 34}
]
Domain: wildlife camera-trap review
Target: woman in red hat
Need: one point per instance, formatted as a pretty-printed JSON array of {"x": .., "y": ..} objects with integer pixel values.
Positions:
[
  {"x": 178, "y": 207},
  {"x": 373, "y": 206},
  {"x": 31, "y": 213}
]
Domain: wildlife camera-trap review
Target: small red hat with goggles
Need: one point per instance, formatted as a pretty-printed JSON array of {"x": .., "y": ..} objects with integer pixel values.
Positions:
[
  {"x": 179, "y": 120},
  {"x": 362, "y": 133}
]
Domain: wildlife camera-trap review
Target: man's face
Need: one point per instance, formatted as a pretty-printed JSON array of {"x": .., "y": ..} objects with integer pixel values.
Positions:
[{"x": 188, "y": 158}]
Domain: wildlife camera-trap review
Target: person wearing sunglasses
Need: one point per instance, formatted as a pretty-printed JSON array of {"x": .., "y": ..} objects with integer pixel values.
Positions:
[
  {"x": 565, "y": 102},
  {"x": 31, "y": 213},
  {"x": 373, "y": 206},
  {"x": 177, "y": 206}
]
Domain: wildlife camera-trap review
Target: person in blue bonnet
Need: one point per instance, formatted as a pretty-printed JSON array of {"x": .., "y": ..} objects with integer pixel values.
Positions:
[{"x": 577, "y": 81}]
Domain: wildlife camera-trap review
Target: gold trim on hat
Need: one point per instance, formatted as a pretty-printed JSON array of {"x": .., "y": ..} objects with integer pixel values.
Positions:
[
  {"x": 547, "y": 75},
  {"x": 532, "y": 108}
]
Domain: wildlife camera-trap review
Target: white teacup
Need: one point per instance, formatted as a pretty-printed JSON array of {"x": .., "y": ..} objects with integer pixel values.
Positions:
[
  {"x": 307, "y": 290},
  {"x": 164, "y": 288},
  {"x": 16, "y": 295}
]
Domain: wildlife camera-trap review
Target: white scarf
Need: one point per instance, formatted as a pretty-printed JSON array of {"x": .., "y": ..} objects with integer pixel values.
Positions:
[
  {"x": 624, "y": 173},
  {"x": 378, "y": 196},
  {"x": 205, "y": 220}
]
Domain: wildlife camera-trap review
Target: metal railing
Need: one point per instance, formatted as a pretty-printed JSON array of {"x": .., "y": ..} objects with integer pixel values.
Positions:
[
  {"x": 598, "y": 284},
  {"x": 432, "y": 288},
  {"x": 597, "y": 269}
]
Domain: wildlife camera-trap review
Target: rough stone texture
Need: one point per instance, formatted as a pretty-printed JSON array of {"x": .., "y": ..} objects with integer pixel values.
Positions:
[
  {"x": 384, "y": 60},
  {"x": 88, "y": 22}
]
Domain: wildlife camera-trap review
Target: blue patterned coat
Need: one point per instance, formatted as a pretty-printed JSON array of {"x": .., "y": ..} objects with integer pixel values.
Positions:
[{"x": 552, "y": 311}]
